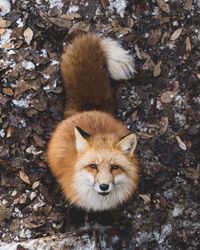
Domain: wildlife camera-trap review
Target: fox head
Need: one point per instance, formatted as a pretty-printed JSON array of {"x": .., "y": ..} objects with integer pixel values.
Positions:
[{"x": 106, "y": 171}]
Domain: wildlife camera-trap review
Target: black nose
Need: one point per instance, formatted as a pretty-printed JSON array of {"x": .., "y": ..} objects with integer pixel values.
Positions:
[{"x": 104, "y": 187}]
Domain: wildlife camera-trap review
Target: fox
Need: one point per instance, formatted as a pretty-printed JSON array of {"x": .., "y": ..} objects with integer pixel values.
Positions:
[{"x": 91, "y": 153}]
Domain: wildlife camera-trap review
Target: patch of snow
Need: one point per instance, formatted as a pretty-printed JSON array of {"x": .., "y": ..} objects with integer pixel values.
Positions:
[
  {"x": 20, "y": 22},
  {"x": 5, "y": 38},
  {"x": 28, "y": 65},
  {"x": 54, "y": 62},
  {"x": 72, "y": 9},
  {"x": 177, "y": 211},
  {"x": 43, "y": 52},
  {"x": 33, "y": 150},
  {"x": 5, "y": 7},
  {"x": 46, "y": 76},
  {"x": 22, "y": 103},
  {"x": 118, "y": 5},
  {"x": 56, "y": 3},
  {"x": 2, "y": 133}
]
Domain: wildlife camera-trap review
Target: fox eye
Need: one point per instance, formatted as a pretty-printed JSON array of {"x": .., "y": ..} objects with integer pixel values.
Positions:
[
  {"x": 114, "y": 167},
  {"x": 93, "y": 166}
]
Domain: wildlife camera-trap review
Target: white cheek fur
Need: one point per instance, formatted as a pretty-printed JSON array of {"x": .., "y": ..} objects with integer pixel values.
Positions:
[{"x": 90, "y": 199}]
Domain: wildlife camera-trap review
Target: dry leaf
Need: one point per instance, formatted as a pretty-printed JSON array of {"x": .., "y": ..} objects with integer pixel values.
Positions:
[
  {"x": 146, "y": 198},
  {"x": 2, "y": 30},
  {"x": 181, "y": 143},
  {"x": 8, "y": 91},
  {"x": 176, "y": 34},
  {"x": 80, "y": 26},
  {"x": 134, "y": 116},
  {"x": 164, "y": 122},
  {"x": 163, "y": 6},
  {"x": 4, "y": 23},
  {"x": 168, "y": 96},
  {"x": 175, "y": 86},
  {"x": 28, "y": 35},
  {"x": 198, "y": 75},
  {"x": 63, "y": 23},
  {"x": 138, "y": 54},
  {"x": 157, "y": 69},
  {"x": 192, "y": 173},
  {"x": 188, "y": 46},
  {"x": 105, "y": 4},
  {"x": 24, "y": 177},
  {"x": 35, "y": 185},
  {"x": 71, "y": 16},
  {"x": 188, "y": 4}
]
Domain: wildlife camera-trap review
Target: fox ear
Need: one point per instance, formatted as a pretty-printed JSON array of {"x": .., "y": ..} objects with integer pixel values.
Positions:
[
  {"x": 128, "y": 144},
  {"x": 81, "y": 139}
]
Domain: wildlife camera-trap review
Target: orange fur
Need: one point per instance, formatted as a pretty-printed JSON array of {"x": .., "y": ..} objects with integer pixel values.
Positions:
[{"x": 87, "y": 85}]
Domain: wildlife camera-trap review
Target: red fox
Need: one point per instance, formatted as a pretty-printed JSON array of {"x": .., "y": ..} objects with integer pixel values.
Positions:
[{"x": 91, "y": 153}]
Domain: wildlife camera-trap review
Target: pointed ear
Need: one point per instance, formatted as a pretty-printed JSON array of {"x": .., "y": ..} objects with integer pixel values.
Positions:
[
  {"x": 128, "y": 144},
  {"x": 81, "y": 139}
]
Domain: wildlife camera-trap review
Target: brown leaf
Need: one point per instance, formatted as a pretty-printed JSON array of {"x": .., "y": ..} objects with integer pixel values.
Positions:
[
  {"x": 164, "y": 122},
  {"x": 80, "y": 26},
  {"x": 2, "y": 30},
  {"x": 146, "y": 198},
  {"x": 157, "y": 69},
  {"x": 188, "y": 4},
  {"x": 105, "y": 4},
  {"x": 176, "y": 34},
  {"x": 4, "y": 23},
  {"x": 168, "y": 96},
  {"x": 21, "y": 87},
  {"x": 134, "y": 116},
  {"x": 8, "y": 91},
  {"x": 192, "y": 173},
  {"x": 175, "y": 86},
  {"x": 188, "y": 46},
  {"x": 71, "y": 16},
  {"x": 163, "y": 6},
  {"x": 181, "y": 143},
  {"x": 24, "y": 177},
  {"x": 28, "y": 35},
  {"x": 63, "y": 23}
]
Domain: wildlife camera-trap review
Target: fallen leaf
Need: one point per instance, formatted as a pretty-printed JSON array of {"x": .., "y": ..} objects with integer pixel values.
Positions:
[
  {"x": 21, "y": 87},
  {"x": 4, "y": 23},
  {"x": 71, "y": 16},
  {"x": 134, "y": 116},
  {"x": 188, "y": 4},
  {"x": 176, "y": 34},
  {"x": 198, "y": 75},
  {"x": 63, "y": 23},
  {"x": 146, "y": 198},
  {"x": 188, "y": 46},
  {"x": 181, "y": 143},
  {"x": 80, "y": 26},
  {"x": 175, "y": 86},
  {"x": 24, "y": 177},
  {"x": 2, "y": 31},
  {"x": 8, "y": 91},
  {"x": 28, "y": 35},
  {"x": 168, "y": 96},
  {"x": 105, "y": 4},
  {"x": 192, "y": 173},
  {"x": 157, "y": 69},
  {"x": 164, "y": 122},
  {"x": 163, "y": 6},
  {"x": 138, "y": 54},
  {"x": 35, "y": 185}
]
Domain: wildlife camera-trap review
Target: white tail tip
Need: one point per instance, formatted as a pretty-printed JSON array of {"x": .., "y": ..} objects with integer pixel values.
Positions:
[{"x": 120, "y": 63}]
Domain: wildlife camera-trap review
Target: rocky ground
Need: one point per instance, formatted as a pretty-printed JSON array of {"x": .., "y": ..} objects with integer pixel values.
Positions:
[{"x": 161, "y": 104}]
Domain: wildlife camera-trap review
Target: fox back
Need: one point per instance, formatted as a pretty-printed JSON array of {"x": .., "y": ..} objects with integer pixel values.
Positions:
[{"x": 90, "y": 152}]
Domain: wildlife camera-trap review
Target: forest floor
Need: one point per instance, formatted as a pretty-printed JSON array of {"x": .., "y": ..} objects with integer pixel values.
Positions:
[{"x": 161, "y": 104}]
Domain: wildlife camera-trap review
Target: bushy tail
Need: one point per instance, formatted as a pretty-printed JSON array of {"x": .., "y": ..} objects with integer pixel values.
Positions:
[
  {"x": 86, "y": 65},
  {"x": 120, "y": 62}
]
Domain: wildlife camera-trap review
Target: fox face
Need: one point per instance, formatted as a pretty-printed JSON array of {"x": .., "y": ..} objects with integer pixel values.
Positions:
[{"x": 106, "y": 171}]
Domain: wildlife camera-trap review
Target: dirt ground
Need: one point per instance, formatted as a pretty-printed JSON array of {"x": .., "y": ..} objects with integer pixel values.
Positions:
[{"x": 161, "y": 104}]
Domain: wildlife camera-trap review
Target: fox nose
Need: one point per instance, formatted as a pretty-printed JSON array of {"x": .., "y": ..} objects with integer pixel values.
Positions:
[{"x": 104, "y": 187}]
